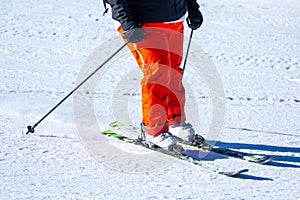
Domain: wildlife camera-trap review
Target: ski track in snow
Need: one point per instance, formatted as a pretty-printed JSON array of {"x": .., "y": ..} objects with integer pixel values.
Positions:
[{"x": 255, "y": 46}]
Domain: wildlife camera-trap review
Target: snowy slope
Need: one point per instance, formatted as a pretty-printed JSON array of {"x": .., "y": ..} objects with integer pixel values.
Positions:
[{"x": 43, "y": 51}]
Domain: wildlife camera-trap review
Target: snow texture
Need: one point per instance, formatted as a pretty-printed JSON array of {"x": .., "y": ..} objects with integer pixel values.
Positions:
[{"x": 44, "y": 44}]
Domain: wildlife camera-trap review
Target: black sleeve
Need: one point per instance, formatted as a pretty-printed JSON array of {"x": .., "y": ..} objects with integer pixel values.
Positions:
[
  {"x": 192, "y": 5},
  {"x": 122, "y": 13}
]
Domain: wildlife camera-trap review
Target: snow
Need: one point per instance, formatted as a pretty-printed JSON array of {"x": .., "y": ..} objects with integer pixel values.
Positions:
[{"x": 44, "y": 50}]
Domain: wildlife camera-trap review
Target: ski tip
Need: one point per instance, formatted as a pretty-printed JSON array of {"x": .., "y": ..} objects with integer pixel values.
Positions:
[
  {"x": 236, "y": 173},
  {"x": 114, "y": 124},
  {"x": 267, "y": 160}
]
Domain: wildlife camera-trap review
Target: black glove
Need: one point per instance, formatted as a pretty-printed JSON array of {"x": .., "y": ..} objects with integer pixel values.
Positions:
[
  {"x": 195, "y": 18},
  {"x": 135, "y": 34}
]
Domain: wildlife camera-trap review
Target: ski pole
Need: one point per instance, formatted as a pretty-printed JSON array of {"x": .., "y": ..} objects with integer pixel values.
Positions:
[
  {"x": 31, "y": 128},
  {"x": 187, "y": 50}
]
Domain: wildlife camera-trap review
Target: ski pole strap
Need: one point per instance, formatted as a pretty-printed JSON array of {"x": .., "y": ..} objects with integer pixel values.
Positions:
[{"x": 105, "y": 8}]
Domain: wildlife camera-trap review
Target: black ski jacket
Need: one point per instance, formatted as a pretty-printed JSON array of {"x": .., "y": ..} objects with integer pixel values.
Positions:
[{"x": 131, "y": 12}]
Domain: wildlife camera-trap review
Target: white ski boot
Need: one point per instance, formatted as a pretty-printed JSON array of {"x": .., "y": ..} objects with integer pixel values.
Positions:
[
  {"x": 183, "y": 130},
  {"x": 164, "y": 140}
]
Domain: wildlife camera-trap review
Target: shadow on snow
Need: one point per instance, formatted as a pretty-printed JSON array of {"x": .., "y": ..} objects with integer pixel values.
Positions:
[{"x": 279, "y": 161}]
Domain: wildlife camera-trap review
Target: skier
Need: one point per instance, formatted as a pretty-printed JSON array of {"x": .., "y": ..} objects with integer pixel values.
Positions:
[{"x": 154, "y": 30}]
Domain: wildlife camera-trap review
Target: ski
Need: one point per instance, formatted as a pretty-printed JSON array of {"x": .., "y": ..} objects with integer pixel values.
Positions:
[
  {"x": 249, "y": 157},
  {"x": 174, "y": 154}
]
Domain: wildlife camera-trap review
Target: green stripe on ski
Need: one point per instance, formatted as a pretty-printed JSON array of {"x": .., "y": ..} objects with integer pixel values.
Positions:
[{"x": 118, "y": 136}]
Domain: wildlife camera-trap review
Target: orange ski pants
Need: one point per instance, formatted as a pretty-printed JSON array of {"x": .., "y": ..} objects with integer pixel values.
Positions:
[{"x": 159, "y": 57}]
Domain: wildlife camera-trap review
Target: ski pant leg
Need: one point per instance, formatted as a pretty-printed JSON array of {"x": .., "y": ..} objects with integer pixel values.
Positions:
[
  {"x": 162, "y": 90},
  {"x": 176, "y": 97}
]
